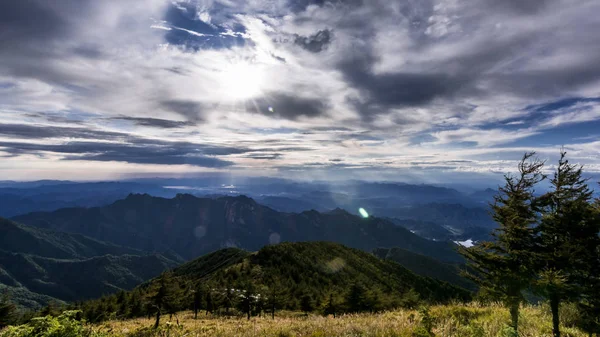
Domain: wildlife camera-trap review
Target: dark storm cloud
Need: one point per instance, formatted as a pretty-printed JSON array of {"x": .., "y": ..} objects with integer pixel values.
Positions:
[
  {"x": 520, "y": 6},
  {"x": 288, "y": 106},
  {"x": 30, "y": 33},
  {"x": 164, "y": 154},
  {"x": 26, "y": 21},
  {"x": 156, "y": 122},
  {"x": 160, "y": 158},
  {"x": 40, "y": 132},
  {"x": 265, "y": 156},
  {"x": 191, "y": 110},
  {"x": 315, "y": 43}
]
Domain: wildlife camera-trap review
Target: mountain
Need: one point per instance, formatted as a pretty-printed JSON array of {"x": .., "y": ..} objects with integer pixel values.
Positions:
[
  {"x": 53, "y": 244},
  {"x": 192, "y": 226},
  {"x": 294, "y": 271},
  {"x": 428, "y": 230},
  {"x": 449, "y": 215},
  {"x": 319, "y": 267},
  {"x": 41, "y": 265},
  {"x": 26, "y": 197},
  {"x": 426, "y": 266},
  {"x": 71, "y": 280}
]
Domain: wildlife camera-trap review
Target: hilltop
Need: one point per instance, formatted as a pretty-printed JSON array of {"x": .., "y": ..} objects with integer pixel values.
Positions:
[{"x": 293, "y": 272}]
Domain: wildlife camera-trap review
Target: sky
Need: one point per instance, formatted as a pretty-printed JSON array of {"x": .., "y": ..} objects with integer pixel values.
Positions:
[{"x": 414, "y": 90}]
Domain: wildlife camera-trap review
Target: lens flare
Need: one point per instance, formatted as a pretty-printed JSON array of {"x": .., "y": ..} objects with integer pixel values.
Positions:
[{"x": 363, "y": 213}]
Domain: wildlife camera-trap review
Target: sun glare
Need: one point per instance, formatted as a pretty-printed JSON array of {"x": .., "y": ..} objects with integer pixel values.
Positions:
[{"x": 243, "y": 80}]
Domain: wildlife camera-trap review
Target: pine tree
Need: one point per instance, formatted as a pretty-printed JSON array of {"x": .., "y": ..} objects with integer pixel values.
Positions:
[
  {"x": 164, "y": 296},
  {"x": 566, "y": 233},
  {"x": 307, "y": 303},
  {"x": 331, "y": 307},
  {"x": 8, "y": 311},
  {"x": 504, "y": 266},
  {"x": 198, "y": 294},
  {"x": 209, "y": 302},
  {"x": 248, "y": 298},
  {"x": 589, "y": 303},
  {"x": 357, "y": 298},
  {"x": 275, "y": 297}
]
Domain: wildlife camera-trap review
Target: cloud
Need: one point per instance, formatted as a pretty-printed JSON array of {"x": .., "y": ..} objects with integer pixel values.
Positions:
[
  {"x": 156, "y": 122},
  {"x": 288, "y": 106},
  {"x": 468, "y": 84},
  {"x": 27, "y": 131},
  {"x": 315, "y": 43},
  {"x": 149, "y": 153}
]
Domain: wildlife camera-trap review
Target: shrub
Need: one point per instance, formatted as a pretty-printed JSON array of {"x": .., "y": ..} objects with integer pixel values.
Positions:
[{"x": 68, "y": 324}]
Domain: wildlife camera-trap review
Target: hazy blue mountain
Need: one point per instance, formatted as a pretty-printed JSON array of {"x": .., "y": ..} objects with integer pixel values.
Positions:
[
  {"x": 192, "y": 226},
  {"x": 21, "y": 198}
]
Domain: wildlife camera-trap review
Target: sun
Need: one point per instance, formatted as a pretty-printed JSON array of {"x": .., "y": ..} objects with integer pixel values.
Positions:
[{"x": 243, "y": 80}]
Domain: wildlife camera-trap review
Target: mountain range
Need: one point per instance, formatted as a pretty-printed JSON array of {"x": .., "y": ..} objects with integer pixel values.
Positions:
[
  {"x": 192, "y": 226},
  {"x": 102, "y": 246}
]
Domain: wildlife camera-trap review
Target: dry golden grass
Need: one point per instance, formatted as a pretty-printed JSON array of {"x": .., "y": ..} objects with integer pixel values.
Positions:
[{"x": 450, "y": 321}]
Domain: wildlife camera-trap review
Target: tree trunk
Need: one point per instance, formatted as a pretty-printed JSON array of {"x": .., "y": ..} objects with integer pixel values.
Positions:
[
  {"x": 514, "y": 315},
  {"x": 554, "y": 303},
  {"x": 157, "y": 319},
  {"x": 248, "y": 313},
  {"x": 273, "y": 311}
]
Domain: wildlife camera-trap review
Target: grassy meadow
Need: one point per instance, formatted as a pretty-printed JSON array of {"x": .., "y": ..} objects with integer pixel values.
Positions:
[{"x": 448, "y": 321}]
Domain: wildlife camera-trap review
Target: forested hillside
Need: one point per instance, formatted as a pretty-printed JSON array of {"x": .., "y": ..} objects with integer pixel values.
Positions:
[
  {"x": 38, "y": 266},
  {"x": 296, "y": 276}
]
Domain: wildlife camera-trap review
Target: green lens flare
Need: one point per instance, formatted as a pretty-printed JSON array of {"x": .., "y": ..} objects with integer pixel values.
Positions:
[{"x": 363, "y": 212}]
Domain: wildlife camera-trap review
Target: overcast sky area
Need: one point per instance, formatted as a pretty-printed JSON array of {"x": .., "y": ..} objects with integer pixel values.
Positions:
[{"x": 411, "y": 90}]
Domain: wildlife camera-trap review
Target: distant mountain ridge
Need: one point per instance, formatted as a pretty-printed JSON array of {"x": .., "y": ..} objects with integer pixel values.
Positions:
[{"x": 192, "y": 226}]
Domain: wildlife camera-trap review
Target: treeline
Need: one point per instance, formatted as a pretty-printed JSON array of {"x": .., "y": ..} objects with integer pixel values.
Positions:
[
  {"x": 170, "y": 295},
  {"x": 547, "y": 244}
]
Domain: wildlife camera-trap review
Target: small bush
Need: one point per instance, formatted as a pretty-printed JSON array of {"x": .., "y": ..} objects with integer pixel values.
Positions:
[
  {"x": 68, "y": 324},
  {"x": 508, "y": 332}
]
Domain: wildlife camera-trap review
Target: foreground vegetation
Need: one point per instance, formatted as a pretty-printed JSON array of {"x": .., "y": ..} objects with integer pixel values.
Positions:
[{"x": 471, "y": 320}]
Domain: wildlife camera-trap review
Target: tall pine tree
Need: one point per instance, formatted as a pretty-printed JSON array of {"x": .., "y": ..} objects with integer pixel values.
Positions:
[
  {"x": 568, "y": 236},
  {"x": 165, "y": 296},
  {"x": 504, "y": 266},
  {"x": 8, "y": 311}
]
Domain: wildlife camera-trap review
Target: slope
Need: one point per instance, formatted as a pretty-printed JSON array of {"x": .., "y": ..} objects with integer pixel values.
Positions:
[
  {"x": 39, "y": 265},
  {"x": 193, "y": 226},
  {"x": 294, "y": 271},
  {"x": 49, "y": 243},
  {"x": 425, "y": 266}
]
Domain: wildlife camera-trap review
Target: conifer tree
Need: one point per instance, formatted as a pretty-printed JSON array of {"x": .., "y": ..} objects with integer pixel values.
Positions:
[
  {"x": 307, "y": 303},
  {"x": 589, "y": 304},
  {"x": 357, "y": 298},
  {"x": 504, "y": 266},
  {"x": 331, "y": 307},
  {"x": 198, "y": 294},
  {"x": 209, "y": 302},
  {"x": 568, "y": 235},
  {"x": 248, "y": 297},
  {"x": 164, "y": 296},
  {"x": 8, "y": 311},
  {"x": 275, "y": 298}
]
